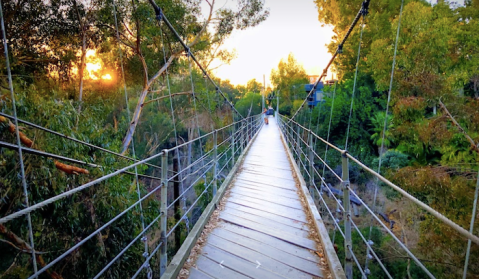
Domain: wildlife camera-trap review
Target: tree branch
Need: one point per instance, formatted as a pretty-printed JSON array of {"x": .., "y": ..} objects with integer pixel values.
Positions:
[
  {"x": 474, "y": 146},
  {"x": 167, "y": 96},
  {"x": 25, "y": 246}
]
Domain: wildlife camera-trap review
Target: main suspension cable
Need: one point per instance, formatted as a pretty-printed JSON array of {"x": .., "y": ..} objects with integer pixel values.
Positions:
[
  {"x": 354, "y": 84},
  {"x": 160, "y": 16},
  {"x": 362, "y": 12}
]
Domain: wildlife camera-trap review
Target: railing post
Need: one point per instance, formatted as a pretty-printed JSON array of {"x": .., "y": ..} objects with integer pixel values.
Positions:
[
  {"x": 164, "y": 210},
  {"x": 215, "y": 162},
  {"x": 348, "y": 265},
  {"x": 233, "y": 148},
  {"x": 243, "y": 135},
  {"x": 298, "y": 146},
  {"x": 311, "y": 165}
]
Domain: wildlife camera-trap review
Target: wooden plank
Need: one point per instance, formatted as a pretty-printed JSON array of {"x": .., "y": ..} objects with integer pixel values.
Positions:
[
  {"x": 269, "y": 158},
  {"x": 305, "y": 265},
  {"x": 300, "y": 241},
  {"x": 267, "y": 222},
  {"x": 269, "y": 198},
  {"x": 196, "y": 274},
  {"x": 237, "y": 264},
  {"x": 291, "y": 193},
  {"x": 272, "y": 241},
  {"x": 263, "y": 214},
  {"x": 255, "y": 191},
  {"x": 215, "y": 270},
  {"x": 277, "y": 209},
  {"x": 269, "y": 173},
  {"x": 260, "y": 164},
  {"x": 257, "y": 258},
  {"x": 288, "y": 186},
  {"x": 261, "y": 185},
  {"x": 269, "y": 177},
  {"x": 258, "y": 161}
]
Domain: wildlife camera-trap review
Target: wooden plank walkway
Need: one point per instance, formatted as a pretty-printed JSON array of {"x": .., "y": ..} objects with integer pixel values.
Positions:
[{"x": 262, "y": 231}]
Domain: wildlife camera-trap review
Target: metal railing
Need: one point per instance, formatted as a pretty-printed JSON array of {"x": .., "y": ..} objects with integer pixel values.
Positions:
[
  {"x": 303, "y": 144},
  {"x": 192, "y": 175}
]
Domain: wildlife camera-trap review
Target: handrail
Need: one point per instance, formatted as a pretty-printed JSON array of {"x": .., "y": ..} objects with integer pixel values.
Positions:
[
  {"x": 234, "y": 138},
  {"x": 295, "y": 133}
]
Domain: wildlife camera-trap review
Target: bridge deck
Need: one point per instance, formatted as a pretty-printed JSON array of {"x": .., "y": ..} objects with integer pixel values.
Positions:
[{"x": 262, "y": 229}]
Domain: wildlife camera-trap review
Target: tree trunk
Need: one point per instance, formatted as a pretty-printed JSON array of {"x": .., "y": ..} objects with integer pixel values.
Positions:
[
  {"x": 141, "y": 102},
  {"x": 81, "y": 69}
]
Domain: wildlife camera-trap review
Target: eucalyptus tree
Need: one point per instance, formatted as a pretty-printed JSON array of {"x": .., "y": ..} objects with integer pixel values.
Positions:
[{"x": 144, "y": 38}]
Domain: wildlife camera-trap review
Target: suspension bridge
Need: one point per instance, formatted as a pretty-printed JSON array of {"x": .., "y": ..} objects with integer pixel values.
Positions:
[{"x": 267, "y": 210}]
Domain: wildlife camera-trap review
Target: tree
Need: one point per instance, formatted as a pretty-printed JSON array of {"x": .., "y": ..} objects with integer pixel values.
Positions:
[
  {"x": 223, "y": 21},
  {"x": 288, "y": 76},
  {"x": 377, "y": 122}
]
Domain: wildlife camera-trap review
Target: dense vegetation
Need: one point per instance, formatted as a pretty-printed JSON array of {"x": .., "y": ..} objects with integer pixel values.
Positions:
[{"x": 425, "y": 152}]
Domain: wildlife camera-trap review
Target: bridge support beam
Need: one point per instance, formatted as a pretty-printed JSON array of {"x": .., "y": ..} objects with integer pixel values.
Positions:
[
  {"x": 164, "y": 210},
  {"x": 348, "y": 245}
]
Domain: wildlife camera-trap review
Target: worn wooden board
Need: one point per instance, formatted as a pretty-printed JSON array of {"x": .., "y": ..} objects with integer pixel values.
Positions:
[
  {"x": 252, "y": 180},
  {"x": 284, "y": 246},
  {"x": 268, "y": 173},
  {"x": 196, "y": 274},
  {"x": 271, "y": 252},
  {"x": 213, "y": 269},
  {"x": 296, "y": 204},
  {"x": 291, "y": 238},
  {"x": 256, "y": 258},
  {"x": 272, "y": 208},
  {"x": 238, "y": 264},
  {"x": 266, "y": 215},
  {"x": 266, "y": 222},
  {"x": 267, "y": 167},
  {"x": 265, "y": 191}
]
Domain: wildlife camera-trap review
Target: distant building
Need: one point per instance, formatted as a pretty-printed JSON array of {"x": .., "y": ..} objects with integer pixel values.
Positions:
[{"x": 317, "y": 96}]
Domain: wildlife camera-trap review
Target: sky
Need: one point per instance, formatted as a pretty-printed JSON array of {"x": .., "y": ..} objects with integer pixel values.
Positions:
[{"x": 292, "y": 27}]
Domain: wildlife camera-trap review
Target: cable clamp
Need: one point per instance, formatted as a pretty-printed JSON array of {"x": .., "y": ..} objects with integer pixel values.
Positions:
[{"x": 365, "y": 8}]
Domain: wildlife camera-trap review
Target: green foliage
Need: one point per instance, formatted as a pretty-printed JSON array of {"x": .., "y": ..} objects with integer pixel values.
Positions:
[
  {"x": 250, "y": 104},
  {"x": 380, "y": 132},
  {"x": 429, "y": 156},
  {"x": 289, "y": 79},
  {"x": 393, "y": 160}
]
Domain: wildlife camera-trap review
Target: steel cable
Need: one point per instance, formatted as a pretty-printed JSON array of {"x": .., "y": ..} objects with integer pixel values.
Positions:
[{"x": 19, "y": 144}]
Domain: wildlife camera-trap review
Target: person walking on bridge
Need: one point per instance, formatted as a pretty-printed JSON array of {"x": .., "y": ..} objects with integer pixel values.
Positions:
[{"x": 265, "y": 112}]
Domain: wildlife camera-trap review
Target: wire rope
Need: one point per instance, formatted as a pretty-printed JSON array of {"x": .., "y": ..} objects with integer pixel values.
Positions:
[
  {"x": 384, "y": 127},
  {"x": 354, "y": 84},
  {"x": 17, "y": 134},
  {"x": 142, "y": 218},
  {"x": 173, "y": 118}
]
